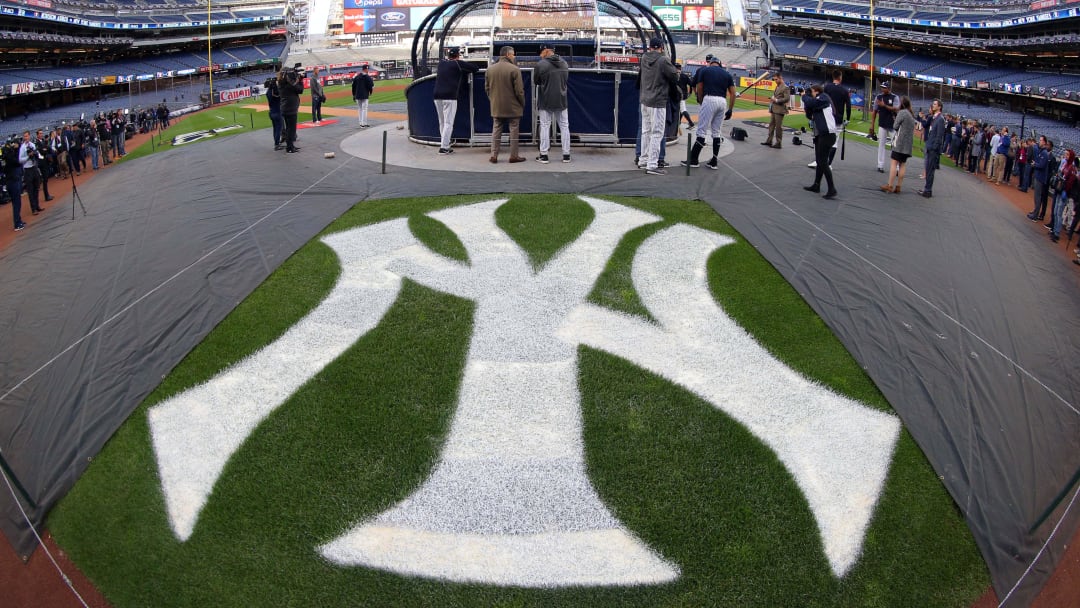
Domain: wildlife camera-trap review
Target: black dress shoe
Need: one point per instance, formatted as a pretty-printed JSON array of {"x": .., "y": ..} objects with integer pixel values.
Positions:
[
  {"x": 880, "y": 170},
  {"x": 766, "y": 143},
  {"x": 925, "y": 193},
  {"x": 829, "y": 195},
  {"x": 814, "y": 189},
  {"x": 48, "y": 198}
]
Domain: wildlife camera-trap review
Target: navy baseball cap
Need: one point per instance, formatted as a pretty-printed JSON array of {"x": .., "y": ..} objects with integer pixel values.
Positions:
[
  {"x": 547, "y": 46},
  {"x": 454, "y": 52},
  {"x": 656, "y": 43},
  {"x": 885, "y": 84}
]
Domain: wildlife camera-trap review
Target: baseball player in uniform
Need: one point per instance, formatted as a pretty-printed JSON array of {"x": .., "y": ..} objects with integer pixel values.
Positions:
[{"x": 715, "y": 90}]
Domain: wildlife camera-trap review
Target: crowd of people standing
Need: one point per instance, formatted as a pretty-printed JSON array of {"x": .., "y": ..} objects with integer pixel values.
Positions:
[{"x": 31, "y": 161}]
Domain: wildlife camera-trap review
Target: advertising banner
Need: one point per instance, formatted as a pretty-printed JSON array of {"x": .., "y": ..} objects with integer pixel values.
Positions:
[
  {"x": 392, "y": 19},
  {"x": 359, "y": 21},
  {"x": 360, "y": 4},
  {"x": 108, "y": 80},
  {"x": 234, "y": 94},
  {"x": 619, "y": 58},
  {"x": 21, "y": 88},
  {"x": 671, "y": 16},
  {"x": 698, "y": 18},
  {"x": 765, "y": 83}
]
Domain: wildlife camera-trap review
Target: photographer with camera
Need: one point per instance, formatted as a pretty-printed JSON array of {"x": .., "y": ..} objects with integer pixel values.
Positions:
[
  {"x": 291, "y": 86},
  {"x": 273, "y": 100},
  {"x": 13, "y": 172},
  {"x": 29, "y": 159},
  {"x": 48, "y": 165}
]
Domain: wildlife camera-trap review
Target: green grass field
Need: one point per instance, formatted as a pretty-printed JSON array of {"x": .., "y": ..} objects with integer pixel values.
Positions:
[
  {"x": 248, "y": 118},
  {"x": 212, "y": 118},
  {"x": 380, "y": 95},
  {"x": 683, "y": 476}
]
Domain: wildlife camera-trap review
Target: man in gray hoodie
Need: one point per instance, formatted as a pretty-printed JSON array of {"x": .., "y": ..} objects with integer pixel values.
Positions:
[
  {"x": 655, "y": 80},
  {"x": 551, "y": 74}
]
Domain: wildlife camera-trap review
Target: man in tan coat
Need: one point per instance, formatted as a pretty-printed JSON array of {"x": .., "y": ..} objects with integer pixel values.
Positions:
[
  {"x": 506, "y": 93},
  {"x": 778, "y": 108}
]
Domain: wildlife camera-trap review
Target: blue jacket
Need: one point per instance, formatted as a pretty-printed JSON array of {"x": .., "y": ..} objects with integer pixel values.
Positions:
[
  {"x": 935, "y": 134},
  {"x": 450, "y": 78},
  {"x": 820, "y": 111},
  {"x": 1041, "y": 165}
]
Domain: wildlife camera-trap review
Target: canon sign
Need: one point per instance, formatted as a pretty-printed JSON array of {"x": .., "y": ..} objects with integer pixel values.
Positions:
[{"x": 234, "y": 94}]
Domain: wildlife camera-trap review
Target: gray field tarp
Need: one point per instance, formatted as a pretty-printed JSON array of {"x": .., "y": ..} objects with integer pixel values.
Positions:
[{"x": 954, "y": 306}]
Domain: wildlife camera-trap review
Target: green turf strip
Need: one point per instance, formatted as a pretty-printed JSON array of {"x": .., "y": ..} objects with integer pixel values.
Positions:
[{"x": 692, "y": 483}]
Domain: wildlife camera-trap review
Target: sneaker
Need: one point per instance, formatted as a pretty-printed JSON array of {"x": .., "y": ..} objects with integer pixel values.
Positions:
[
  {"x": 20, "y": 226},
  {"x": 662, "y": 164},
  {"x": 445, "y": 151},
  {"x": 636, "y": 161},
  {"x": 656, "y": 171},
  {"x": 712, "y": 164},
  {"x": 542, "y": 159},
  {"x": 565, "y": 158},
  {"x": 812, "y": 164},
  {"x": 692, "y": 163}
]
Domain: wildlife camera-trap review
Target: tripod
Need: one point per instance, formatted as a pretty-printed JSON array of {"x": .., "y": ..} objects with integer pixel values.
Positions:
[{"x": 75, "y": 195}]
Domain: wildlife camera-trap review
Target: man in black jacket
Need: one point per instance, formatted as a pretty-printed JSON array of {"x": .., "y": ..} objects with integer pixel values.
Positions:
[
  {"x": 818, "y": 107},
  {"x": 450, "y": 81},
  {"x": 362, "y": 86},
  {"x": 290, "y": 85},
  {"x": 841, "y": 101}
]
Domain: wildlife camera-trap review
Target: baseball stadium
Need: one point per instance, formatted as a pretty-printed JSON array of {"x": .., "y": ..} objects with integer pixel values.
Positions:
[{"x": 287, "y": 314}]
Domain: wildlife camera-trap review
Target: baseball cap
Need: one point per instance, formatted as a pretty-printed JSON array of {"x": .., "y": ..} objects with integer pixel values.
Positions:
[
  {"x": 453, "y": 52},
  {"x": 656, "y": 43},
  {"x": 708, "y": 58},
  {"x": 547, "y": 46},
  {"x": 715, "y": 60},
  {"x": 885, "y": 84}
]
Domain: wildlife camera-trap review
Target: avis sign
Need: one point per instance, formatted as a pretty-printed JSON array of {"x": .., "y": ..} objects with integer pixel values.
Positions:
[{"x": 509, "y": 501}]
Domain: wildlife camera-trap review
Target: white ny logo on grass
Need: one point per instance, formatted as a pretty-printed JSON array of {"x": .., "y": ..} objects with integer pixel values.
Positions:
[{"x": 509, "y": 501}]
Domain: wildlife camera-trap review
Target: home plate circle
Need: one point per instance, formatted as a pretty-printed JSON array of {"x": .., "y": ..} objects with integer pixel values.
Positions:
[{"x": 321, "y": 123}]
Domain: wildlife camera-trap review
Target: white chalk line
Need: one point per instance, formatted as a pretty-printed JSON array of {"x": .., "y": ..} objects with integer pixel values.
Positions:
[
  {"x": 963, "y": 327},
  {"x": 178, "y": 273},
  {"x": 903, "y": 286}
]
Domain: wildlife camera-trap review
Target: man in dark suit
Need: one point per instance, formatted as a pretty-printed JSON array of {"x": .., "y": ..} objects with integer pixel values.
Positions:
[{"x": 935, "y": 141}]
